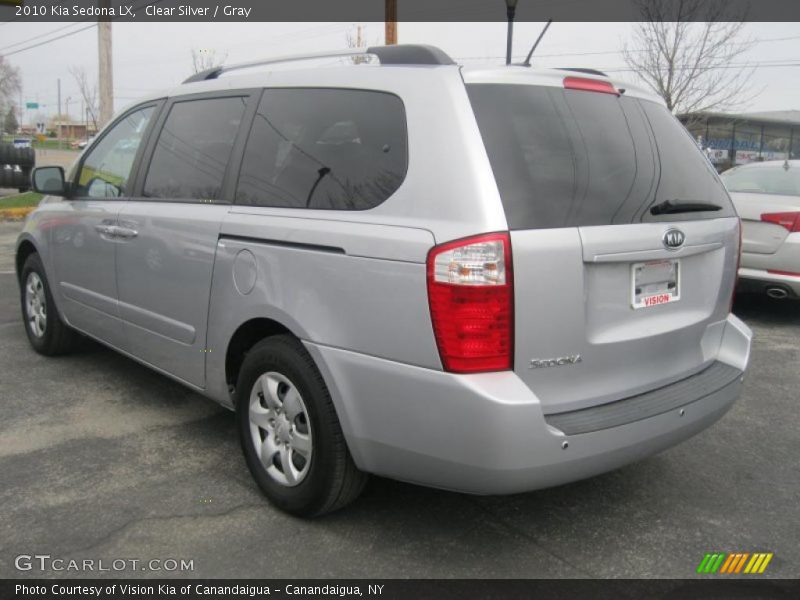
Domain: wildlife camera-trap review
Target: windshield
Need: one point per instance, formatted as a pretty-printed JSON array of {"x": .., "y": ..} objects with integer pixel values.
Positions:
[
  {"x": 569, "y": 158},
  {"x": 763, "y": 180}
]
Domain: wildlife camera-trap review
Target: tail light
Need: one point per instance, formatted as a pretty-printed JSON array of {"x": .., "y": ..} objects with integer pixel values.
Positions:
[
  {"x": 590, "y": 85},
  {"x": 789, "y": 220},
  {"x": 471, "y": 296}
]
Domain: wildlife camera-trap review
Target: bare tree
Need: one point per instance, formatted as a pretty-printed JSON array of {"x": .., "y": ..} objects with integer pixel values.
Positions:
[
  {"x": 206, "y": 59},
  {"x": 356, "y": 41},
  {"x": 690, "y": 52},
  {"x": 88, "y": 91},
  {"x": 9, "y": 82}
]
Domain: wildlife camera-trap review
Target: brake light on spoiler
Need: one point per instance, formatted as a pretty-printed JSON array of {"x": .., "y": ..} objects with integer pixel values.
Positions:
[
  {"x": 590, "y": 85},
  {"x": 471, "y": 295}
]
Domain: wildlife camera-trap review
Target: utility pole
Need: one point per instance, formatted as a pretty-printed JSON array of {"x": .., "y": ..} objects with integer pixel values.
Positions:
[
  {"x": 391, "y": 22},
  {"x": 106, "y": 68},
  {"x": 59, "y": 114}
]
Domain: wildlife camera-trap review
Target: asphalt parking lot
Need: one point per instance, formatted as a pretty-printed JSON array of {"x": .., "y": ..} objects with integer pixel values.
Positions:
[{"x": 101, "y": 458}]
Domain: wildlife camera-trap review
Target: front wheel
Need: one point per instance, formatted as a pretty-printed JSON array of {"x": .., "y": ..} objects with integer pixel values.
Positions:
[
  {"x": 290, "y": 434},
  {"x": 47, "y": 333}
]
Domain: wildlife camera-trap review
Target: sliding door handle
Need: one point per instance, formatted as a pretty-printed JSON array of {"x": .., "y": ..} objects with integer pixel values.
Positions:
[
  {"x": 125, "y": 232},
  {"x": 105, "y": 229}
]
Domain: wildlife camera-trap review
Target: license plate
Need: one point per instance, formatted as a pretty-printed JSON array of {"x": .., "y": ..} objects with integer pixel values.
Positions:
[{"x": 655, "y": 283}]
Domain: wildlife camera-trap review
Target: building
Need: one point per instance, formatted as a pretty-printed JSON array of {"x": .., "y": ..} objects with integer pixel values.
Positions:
[
  {"x": 71, "y": 130},
  {"x": 734, "y": 139}
]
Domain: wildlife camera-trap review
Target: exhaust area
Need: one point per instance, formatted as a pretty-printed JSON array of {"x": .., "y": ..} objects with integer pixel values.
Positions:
[{"x": 778, "y": 293}]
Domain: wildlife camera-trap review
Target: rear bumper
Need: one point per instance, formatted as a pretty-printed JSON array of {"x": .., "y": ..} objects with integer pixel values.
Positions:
[
  {"x": 761, "y": 280},
  {"x": 487, "y": 433}
]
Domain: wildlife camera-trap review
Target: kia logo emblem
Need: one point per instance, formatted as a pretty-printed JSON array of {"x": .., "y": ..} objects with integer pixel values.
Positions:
[{"x": 673, "y": 239}]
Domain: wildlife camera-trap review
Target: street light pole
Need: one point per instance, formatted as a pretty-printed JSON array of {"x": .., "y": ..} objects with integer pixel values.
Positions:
[{"x": 511, "y": 9}]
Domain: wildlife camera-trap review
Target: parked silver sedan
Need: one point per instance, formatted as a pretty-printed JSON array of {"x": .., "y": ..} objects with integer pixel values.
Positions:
[{"x": 767, "y": 198}]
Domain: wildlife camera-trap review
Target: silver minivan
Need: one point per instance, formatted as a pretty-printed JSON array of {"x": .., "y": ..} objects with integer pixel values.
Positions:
[{"x": 486, "y": 280}]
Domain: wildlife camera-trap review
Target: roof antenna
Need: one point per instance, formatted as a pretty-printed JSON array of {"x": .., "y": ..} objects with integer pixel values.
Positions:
[{"x": 527, "y": 62}]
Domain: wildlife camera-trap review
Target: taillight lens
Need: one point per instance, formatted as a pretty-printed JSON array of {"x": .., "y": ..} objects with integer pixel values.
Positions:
[
  {"x": 471, "y": 296},
  {"x": 590, "y": 85},
  {"x": 789, "y": 220}
]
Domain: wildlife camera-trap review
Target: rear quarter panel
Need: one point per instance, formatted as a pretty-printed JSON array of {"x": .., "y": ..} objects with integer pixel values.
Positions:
[{"x": 354, "y": 286}]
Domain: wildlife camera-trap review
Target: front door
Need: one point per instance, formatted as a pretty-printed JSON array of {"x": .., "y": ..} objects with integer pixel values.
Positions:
[
  {"x": 165, "y": 261},
  {"x": 84, "y": 235}
]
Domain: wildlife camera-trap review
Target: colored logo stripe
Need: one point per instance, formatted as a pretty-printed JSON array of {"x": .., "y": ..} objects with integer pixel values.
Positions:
[
  {"x": 711, "y": 562},
  {"x": 758, "y": 563},
  {"x": 735, "y": 563}
]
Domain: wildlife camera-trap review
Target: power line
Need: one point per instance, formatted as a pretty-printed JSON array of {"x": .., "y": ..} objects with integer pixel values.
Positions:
[
  {"x": 51, "y": 40},
  {"x": 755, "y": 66},
  {"x": 146, "y": 4},
  {"x": 786, "y": 62},
  {"x": 607, "y": 52},
  {"x": 41, "y": 35}
]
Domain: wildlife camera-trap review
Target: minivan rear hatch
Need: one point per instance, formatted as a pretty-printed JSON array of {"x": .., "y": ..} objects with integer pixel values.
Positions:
[{"x": 624, "y": 241}]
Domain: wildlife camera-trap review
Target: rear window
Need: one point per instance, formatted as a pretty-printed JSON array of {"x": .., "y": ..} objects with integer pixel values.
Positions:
[
  {"x": 568, "y": 158},
  {"x": 332, "y": 149},
  {"x": 763, "y": 180}
]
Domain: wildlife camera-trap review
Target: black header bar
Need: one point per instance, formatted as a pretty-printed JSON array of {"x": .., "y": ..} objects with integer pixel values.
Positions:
[{"x": 374, "y": 10}]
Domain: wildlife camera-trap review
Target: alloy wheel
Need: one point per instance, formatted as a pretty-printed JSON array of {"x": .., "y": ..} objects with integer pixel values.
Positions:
[{"x": 280, "y": 428}]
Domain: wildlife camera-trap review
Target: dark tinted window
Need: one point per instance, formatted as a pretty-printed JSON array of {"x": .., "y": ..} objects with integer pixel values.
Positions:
[
  {"x": 193, "y": 149},
  {"x": 565, "y": 158},
  {"x": 686, "y": 174},
  {"x": 324, "y": 149}
]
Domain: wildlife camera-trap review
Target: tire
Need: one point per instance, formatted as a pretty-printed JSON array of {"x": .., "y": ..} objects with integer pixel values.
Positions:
[
  {"x": 11, "y": 155},
  {"x": 19, "y": 179},
  {"x": 54, "y": 337},
  {"x": 27, "y": 158},
  {"x": 25, "y": 184},
  {"x": 327, "y": 479}
]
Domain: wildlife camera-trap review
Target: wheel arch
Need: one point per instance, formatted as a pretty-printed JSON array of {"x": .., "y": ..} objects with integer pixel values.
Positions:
[
  {"x": 25, "y": 248},
  {"x": 247, "y": 335}
]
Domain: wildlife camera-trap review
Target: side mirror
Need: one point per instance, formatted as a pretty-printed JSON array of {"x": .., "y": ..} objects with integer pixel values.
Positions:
[{"x": 49, "y": 180}]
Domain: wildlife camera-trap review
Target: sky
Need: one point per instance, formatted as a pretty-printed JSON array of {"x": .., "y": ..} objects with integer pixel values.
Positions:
[{"x": 152, "y": 56}]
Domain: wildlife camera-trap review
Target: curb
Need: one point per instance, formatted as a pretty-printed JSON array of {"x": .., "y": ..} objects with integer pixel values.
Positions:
[{"x": 15, "y": 214}]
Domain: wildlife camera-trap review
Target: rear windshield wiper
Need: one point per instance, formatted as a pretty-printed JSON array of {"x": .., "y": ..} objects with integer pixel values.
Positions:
[{"x": 671, "y": 207}]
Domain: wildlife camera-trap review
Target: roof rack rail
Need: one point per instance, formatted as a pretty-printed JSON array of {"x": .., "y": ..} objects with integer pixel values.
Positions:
[
  {"x": 403, "y": 54},
  {"x": 583, "y": 70}
]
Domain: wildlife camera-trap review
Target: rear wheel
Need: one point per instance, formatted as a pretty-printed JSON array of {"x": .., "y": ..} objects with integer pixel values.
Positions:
[
  {"x": 290, "y": 434},
  {"x": 47, "y": 333}
]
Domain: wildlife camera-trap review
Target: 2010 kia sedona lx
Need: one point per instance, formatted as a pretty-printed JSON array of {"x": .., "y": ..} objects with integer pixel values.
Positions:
[{"x": 485, "y": 280}]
